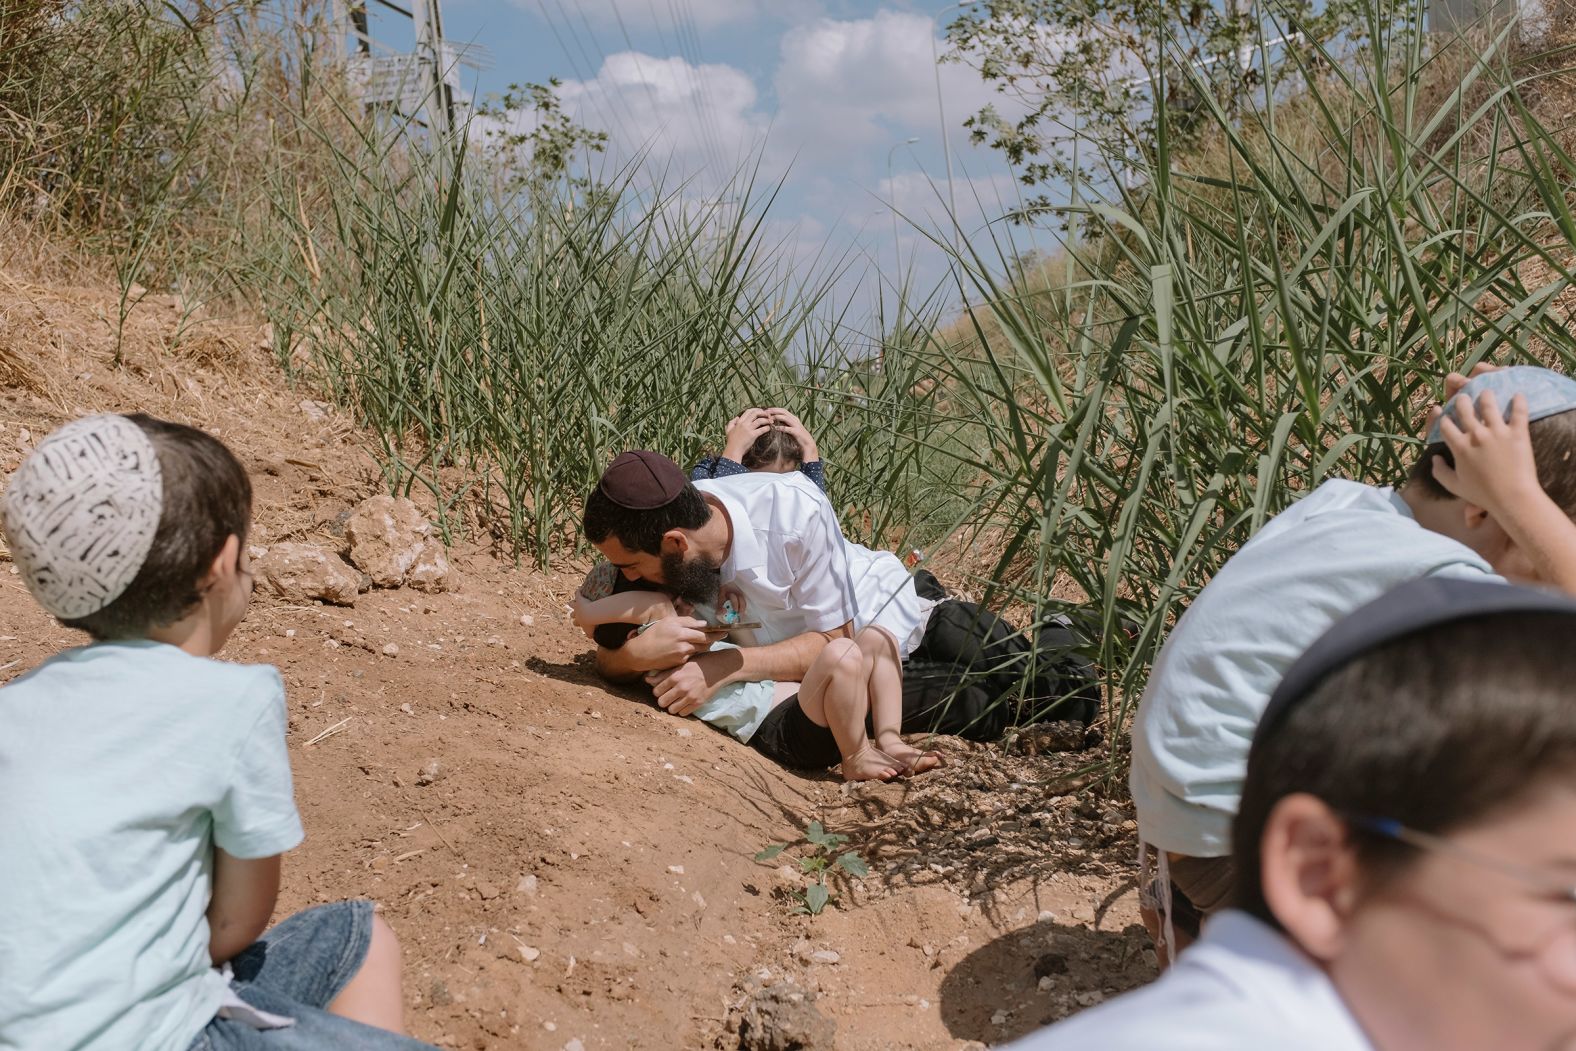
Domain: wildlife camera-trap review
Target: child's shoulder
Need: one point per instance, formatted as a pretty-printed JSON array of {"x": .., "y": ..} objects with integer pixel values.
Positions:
[{"x": 141, "y": 667}]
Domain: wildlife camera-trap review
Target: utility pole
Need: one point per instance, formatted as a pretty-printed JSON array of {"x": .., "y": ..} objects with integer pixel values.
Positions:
[{"x": 420, "y": 84}]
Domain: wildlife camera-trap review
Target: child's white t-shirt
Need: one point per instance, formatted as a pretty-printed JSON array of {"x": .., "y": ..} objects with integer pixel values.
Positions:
[
  {"x": 739, "y": 707},
  {"x": 1243, "y": 987},
  {"x": 121, "y": 766},
  {"x": 1338, "y": 548}
]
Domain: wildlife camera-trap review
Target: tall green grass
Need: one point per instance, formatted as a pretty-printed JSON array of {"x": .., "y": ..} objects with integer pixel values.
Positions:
[{"x": 1262, "y": 314}]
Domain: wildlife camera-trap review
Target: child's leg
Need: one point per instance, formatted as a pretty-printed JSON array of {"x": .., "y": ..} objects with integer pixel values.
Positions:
[
  {"x": 886, "y": 701},
  {"x": 835, "y": 694},
  {"x": 374, "y": 995}
]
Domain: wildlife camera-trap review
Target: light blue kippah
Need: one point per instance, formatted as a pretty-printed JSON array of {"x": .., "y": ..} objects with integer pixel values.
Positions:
[{"x": 1547, "y": 392}]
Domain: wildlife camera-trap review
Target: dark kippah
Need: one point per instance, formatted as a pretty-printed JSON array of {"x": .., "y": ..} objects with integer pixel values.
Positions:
[
  {"x": 641, "y": 480},
  {"x": 1410, "y": 608}
]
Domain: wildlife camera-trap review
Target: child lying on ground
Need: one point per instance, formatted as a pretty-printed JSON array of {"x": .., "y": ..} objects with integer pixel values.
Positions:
[
  {"x": 813, "y": 725},
  {"x": 147, "y": 787},
  {"x": 1403, "y": 866},
  {"x": 1490, "y": 498},
  {"x": 772, "y": 440}
]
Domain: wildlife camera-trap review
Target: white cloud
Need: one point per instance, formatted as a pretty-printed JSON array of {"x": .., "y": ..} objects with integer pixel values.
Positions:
[
  {"x": 867, "y": 83},
  {"x": 693, "y": 119}
]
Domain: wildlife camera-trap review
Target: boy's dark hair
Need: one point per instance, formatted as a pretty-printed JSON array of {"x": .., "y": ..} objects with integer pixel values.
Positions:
[
  {"x": 1553, "y": 451},
  {"x": 1435, "y": 730},
  {"x": 773, "y": 447},
  {"x": 207, "y": 499},
  {"x": 641, "y": 529}
]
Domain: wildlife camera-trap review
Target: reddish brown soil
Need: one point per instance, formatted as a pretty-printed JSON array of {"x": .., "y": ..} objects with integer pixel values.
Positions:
[{"x": 581, "y": 868}]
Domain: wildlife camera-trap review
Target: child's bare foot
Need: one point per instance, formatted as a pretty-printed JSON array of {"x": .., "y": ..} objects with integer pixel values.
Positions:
[
  {"x": 910, "y": 760},
  {"x": 870, "y": 764}
]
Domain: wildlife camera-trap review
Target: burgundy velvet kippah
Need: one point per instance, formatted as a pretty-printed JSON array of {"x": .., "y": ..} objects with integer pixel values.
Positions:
[{"x": 641, "y": 480}]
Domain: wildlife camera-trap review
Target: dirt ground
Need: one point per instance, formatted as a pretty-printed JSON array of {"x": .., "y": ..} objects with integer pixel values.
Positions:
[{"x": 578, "y": 869}]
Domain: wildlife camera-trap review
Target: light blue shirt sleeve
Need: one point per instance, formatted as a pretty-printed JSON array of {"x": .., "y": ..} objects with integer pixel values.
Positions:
[{"x": 257, "y": 816}]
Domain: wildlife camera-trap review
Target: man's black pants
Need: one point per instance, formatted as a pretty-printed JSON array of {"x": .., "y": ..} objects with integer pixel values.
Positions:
[{"x": 964, "y": 678}]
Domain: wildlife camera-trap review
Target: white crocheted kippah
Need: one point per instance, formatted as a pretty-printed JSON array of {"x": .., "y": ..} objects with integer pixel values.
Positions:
[{"x": 81, "y": 512}]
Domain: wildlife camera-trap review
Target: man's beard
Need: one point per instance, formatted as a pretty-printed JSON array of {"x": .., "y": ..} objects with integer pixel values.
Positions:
[{"x": 695, "y": 580}]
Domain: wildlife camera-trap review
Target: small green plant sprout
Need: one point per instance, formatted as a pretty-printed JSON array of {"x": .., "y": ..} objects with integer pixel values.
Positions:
[{"x": 817, "y": 859}]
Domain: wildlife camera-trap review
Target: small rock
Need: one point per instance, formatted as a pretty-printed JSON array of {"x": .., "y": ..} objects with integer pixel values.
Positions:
[
  {"x": 1046, "y": 983},
  {"x": 1090, "y": 998},
  {"x": 783, "y": 1017},
  {"x": 531, "y": 953},
  {"x": 315, "y": 410},
  {"x": 574, "y": 1045},
  {"x": 677, "y": 870},
  {"x": 391, "y": 650},
  {"x": 527, "y": 885},
  {"x": 487, "y": 891},
  {"x": 685, "y": 731},
  {"x": 527, "y": 619},
  {"x": 998, "y": 1018},
  {"x": 428, "y": 773},
  {"x": 300, "y": 572},
  {"x": 407, "y": 709},
  {"x": 824, "y": 956}
]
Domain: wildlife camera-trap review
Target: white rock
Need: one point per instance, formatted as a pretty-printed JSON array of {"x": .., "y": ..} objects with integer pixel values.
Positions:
[
  {"x": 391, "y": 650},
  {"x": 531, "y": 954},
  {"x": 527, "y": 885},
  {"x": 298, "y": 572}
]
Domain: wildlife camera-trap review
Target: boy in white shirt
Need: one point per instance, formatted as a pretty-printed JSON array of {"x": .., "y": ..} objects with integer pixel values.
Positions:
[
  {"x": 1405, "y": 874},
  {"x": 1340, "y": 546},
  {"x": 146, "y": 787}
]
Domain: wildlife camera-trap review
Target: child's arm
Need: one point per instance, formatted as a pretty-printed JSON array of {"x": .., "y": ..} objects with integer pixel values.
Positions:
[
  {"x": 244, "y": 893},
  {"x": 635, "y": 607},
  {"x": 1495, "y": 470}
]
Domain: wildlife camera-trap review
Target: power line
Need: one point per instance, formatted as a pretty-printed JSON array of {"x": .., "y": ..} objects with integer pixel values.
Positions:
[{"x": 609, "y": 121}]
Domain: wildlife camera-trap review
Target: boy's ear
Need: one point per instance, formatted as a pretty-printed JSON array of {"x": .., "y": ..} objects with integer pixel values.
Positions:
[
  {"x": 1473, "y": 516},
  {"x": 1309, "y": 873},
  {"x": 227, "y": 563}
]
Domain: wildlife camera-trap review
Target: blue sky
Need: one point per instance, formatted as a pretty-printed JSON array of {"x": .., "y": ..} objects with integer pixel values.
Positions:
[{"x": 826, "y": 92}]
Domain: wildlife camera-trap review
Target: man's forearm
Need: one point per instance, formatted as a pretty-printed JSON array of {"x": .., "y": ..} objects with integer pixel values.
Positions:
[{"x": 785, "y": 661}]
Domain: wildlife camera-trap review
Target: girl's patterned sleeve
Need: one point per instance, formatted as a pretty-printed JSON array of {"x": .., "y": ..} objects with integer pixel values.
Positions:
[
  {"x": 816, "y": 472},
  {"x": 716, "y": 467}
]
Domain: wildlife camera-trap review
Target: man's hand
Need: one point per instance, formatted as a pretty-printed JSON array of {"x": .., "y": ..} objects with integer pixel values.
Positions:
[
  {"x": 743, "y": 429},
  {"x": 683, "y": 689},
  {"x": 577, "y": 607},
  {"x": 1494, "y": 464},
  {"x": 792, "y": 424},
  {"x": 671, "y": 641}
]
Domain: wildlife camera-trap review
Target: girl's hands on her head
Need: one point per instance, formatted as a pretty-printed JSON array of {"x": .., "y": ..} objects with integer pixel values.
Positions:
[
  {"x": 743, "y": 429},
  {"x": 793, "y": 425}
]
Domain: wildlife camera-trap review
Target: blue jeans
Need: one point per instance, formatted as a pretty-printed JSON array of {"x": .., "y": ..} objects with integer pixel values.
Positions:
[{"x": 296, "y": 969}]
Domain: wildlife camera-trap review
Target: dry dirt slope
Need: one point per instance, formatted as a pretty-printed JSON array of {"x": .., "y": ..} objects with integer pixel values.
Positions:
[{"x": 580, "y": 872}]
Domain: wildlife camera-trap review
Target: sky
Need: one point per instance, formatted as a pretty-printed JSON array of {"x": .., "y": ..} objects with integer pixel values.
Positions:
[{"x": 837, "y": 98}]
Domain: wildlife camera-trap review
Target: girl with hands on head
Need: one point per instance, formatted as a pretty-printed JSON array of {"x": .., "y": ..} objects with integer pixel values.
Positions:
[{"x": 769, "y": 439}]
